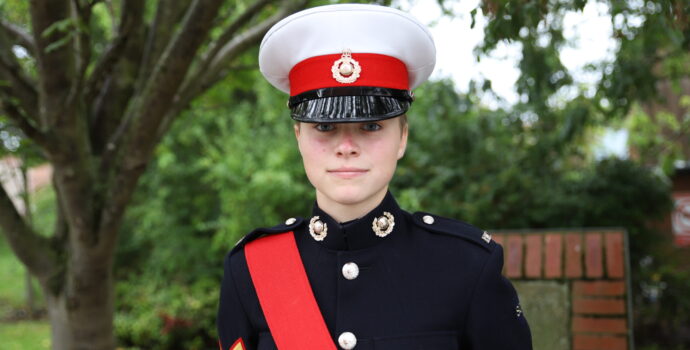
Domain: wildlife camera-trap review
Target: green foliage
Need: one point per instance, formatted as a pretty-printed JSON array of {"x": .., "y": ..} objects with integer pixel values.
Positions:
[
  {"x": 494, "y": 165},
  {"x": 657, "y": 139},
  {"x": 14, "y": 143},
  {"x": 10, "y": 139},
  {"x": 66, "y": 30},
  {"x": 157, "y": 314},
  {"x": 227, "y": 166},
  {"x": 16, "y": 11},
  {"x": 652, "y": 35},
  {"x": 498, "y": 170},
  {"x": 661, "y": 305}
]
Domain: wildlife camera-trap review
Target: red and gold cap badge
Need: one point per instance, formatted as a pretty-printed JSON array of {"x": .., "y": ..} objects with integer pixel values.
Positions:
[{"x": 346, "y": 70}]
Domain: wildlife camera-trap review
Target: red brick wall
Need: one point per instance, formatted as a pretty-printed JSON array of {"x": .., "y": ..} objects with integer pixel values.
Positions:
[{"x": 594, "y": 265}]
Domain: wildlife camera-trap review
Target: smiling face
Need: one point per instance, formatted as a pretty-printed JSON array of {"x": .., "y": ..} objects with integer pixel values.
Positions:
[{"x": 351, "y": 164}]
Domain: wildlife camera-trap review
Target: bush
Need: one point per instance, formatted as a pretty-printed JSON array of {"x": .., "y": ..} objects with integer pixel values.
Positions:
[{"x": 170, "y": 315}]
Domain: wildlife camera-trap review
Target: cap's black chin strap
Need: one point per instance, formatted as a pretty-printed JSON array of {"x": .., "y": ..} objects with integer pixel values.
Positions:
[{"x": 404, "y": 95}]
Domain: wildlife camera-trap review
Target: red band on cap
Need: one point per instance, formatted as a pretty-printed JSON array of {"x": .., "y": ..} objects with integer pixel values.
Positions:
[{"x": 376, "y": 70}]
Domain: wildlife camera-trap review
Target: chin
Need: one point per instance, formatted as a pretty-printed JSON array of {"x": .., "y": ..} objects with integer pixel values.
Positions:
[
  {"x": 346, "y": 196},
  {"x": 350, "y": 195}
]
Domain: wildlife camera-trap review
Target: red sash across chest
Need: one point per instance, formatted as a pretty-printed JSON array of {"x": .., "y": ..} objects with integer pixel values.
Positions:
[{"x": 285, "y": 294}]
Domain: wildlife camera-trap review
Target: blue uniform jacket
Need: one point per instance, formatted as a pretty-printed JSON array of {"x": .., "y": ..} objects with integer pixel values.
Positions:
[{"x": 427, "y": 285}]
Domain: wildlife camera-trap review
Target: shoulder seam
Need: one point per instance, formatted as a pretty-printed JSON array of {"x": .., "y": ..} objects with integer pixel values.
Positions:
[
  {"x": 262, "y": 231},
  {"x": 452, "y": 227}
]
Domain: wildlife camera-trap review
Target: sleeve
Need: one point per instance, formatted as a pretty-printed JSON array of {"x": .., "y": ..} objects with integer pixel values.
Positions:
[
  {"x": 495, "y": 319},
  {"x": 235, "y": 331}
]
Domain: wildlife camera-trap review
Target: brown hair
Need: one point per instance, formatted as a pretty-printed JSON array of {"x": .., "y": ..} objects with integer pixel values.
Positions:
[{"x": 402, "y": 120}]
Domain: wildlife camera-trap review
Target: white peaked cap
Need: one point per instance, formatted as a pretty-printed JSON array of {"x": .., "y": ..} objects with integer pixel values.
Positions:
[{"x": 360, "y": 28}]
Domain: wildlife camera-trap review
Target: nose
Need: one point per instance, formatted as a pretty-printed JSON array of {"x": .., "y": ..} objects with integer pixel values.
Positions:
[{"x": 347, "y": 145}]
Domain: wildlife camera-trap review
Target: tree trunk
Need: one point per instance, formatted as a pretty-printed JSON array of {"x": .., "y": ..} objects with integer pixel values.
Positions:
[
  {"x": 28, "y": 279},
  {"x": 98, "y": 151},
  {"x": 81, "y": 315},
  {"x": 29, "y": 294}
]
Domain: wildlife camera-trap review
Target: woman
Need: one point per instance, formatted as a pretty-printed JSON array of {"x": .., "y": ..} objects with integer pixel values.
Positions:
[{"x": 360, "y": 272}]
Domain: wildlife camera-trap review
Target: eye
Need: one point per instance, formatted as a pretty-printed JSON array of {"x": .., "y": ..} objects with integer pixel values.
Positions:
[
  {"x": 371, "y": 127},
  {"x": 324, "y": 127}
]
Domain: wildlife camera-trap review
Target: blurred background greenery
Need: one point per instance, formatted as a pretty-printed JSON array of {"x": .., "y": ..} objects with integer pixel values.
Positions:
[{"x": 230, "y": 164}]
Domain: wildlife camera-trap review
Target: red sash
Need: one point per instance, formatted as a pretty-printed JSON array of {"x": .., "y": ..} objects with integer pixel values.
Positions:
[{"x": 285, "y": 295}]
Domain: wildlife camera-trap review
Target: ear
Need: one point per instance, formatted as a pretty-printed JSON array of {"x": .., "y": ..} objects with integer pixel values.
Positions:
[
  {"x": 403, "y": 142},
  {"x": 296, "y": 127}
]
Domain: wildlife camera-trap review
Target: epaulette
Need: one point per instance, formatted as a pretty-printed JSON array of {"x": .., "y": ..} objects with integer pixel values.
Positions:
[
  {"x": 439, "y": 224},
  {"x": 289, "y": 225}
]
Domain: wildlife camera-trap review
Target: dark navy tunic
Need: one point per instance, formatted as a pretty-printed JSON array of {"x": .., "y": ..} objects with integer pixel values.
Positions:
[{"x": 434, "y": 286}]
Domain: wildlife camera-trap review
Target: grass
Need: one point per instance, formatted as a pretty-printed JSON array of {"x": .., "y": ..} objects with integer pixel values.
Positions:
[
  {"x": 25, "y": 335},
  {"x": 12, "y": 285},
  {"x": 19, "y": 334},
  {"x": 12, "y": 272}
]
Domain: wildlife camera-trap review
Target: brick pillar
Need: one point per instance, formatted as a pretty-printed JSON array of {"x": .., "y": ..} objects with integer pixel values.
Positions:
[{"x": 593, "y": 265}]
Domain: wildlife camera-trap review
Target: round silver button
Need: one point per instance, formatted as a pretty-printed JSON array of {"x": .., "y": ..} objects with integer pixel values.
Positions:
[
  {"x": 428, "y": 219},
  {"x": 350, "y": 271},
  {"x": 347, "y": 340},
  {"x": 290, "y": 221}
]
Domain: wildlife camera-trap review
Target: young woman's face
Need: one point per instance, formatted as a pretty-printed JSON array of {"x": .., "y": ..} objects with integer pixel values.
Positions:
[{"x": 351, "y": 163}]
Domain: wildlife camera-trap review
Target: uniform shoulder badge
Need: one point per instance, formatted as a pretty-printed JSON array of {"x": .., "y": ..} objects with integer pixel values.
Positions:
[
  {"x": 439, "y": 224},
  {"x": 287, "y": 226},
  {"x": 237, "y": 345}
]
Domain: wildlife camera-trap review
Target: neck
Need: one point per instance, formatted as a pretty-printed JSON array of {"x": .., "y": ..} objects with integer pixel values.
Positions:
[{"x": 343, "y": 212}]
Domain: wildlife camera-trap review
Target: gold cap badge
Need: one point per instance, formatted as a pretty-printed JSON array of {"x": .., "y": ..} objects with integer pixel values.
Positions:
[{"x": 346, "y": 70}]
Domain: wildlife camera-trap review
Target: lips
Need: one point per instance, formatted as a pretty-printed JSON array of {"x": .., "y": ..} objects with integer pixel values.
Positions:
[{"x": 347, "y": 172}]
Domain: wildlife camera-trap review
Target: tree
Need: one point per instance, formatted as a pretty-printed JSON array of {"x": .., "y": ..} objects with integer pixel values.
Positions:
[
  {"x": 646, "y": 85},
  {"x": 648, "y": 76},
  {"x": 649, "y": 81},
  {"x": 95, "y": 85}
]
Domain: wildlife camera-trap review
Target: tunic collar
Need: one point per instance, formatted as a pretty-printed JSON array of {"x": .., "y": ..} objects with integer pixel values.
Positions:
[{"x": 358, "y": 233}]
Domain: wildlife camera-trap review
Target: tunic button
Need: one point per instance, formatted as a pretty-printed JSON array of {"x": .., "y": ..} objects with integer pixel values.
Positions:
[
  {"x": 350, "y": 271},
  {"x": 290, "y": 221},
  {"x": 347, "y": 340},
  {"x": 428, "y": 219}
]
